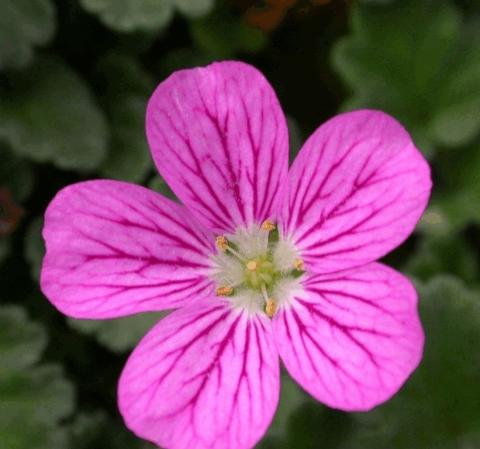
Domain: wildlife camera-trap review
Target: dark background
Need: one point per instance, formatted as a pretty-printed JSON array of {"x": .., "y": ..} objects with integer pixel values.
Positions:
[{"x": 75, "y": 76}]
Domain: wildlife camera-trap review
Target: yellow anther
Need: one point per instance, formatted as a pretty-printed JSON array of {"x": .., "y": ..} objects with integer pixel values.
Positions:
[
  {"x": 252, "y": 265},
  {"x": 224, "y": 291},
  {"x": 299, "y": 265},
  {"x": 270, "y": 307},
  {"x": 268, "y": 226},
  {"x": 221, "y": 242}
]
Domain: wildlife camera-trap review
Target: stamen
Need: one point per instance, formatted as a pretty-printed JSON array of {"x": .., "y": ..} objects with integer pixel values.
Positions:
[
  {"x": 236, "y": 253},
  {"x": 268, "y": 226},
  {"x": 257, "y": 268},
  {"x": 299, "y": 265},
  {"x": 221, "y": 242},
  {"x": 270, "y": 307},
  {"x": 224, "y": 291},
  {"x": 270, "y": 303}
]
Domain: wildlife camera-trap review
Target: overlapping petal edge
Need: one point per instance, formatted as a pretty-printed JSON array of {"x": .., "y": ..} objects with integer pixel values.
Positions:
[{"x": 207, "y": 376}]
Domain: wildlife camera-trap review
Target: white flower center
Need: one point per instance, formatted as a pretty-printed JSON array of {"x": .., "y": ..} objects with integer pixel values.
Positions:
[{"x": 257, "y": 269}]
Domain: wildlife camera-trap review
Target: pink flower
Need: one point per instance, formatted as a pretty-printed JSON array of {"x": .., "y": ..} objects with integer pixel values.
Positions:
[{"x": 263, "y": 263}]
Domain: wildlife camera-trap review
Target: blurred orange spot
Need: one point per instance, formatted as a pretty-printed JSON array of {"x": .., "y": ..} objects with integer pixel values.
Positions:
[{"x": 269, "y": 17}]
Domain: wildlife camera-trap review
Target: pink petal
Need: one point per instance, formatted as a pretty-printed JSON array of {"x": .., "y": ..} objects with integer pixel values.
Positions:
[
  {"x": 352, "y": 338},
  {"x": 219, "y": 138},
  {"x": 204, "y": 377},
  {"x": 357, "y": 189},
  {"x": 115, "y": 249}
]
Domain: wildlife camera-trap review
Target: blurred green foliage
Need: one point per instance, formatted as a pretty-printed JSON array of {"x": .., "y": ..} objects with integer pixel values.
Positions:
[
  {"x": 419, "y": 61},
  {"x": 24, "y": 25},
  {"x": 34, "y": 397},
  {"x": 75, "y": 78},
  {"x": 48, "y": 114}
]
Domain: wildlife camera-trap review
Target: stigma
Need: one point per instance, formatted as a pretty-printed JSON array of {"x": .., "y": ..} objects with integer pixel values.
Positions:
[{"x": 256, "y": 267}]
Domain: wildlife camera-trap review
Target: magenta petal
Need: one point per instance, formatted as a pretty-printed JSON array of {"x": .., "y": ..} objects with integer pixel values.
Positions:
[
  {"x": 205, "y": 377},
  {"x": 115, "y": 249},
  {"x": 352, "y": 338},
  {"x": 356, "y": 191},
  {"x": 219, "y": 138}
]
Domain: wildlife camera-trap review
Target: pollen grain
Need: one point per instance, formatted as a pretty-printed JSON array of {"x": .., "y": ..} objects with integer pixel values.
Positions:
[
  {"x": 224, "y": 291},
  {"x": 268, "y": 226},
  {"x": 299, "y": 265},
  {"x": 221, "y": 242},
  {"x": 270, "y": 307}
]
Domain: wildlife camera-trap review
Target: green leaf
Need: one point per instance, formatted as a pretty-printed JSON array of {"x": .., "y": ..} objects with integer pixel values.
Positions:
[
  {"x": 131, "y": 15},
  {"x": 415, "y": 60},
  {"x": 98, "y": 430},
  {"x": 49, "y": 114},
  {"x": 437, "y": 254},
  {"x": 438, "y": 407},
  {"x": 194, "y": 8},
  {"x": 292, "y": 397},
  {"x": 125, "y": 98},
  {"x": 302, "y": 423},
  {"x": 120, "y": 334},
  {"x": 24, "y": 25},
  {"x": 21, "y": 341},
  {"x": 315, "y": 426},
  {"x": 458, "y": 191},
  {"x": 16, "y": 173},
  {"x": 40, "y": 393},
  {"x": 129, "y": 156},
  {"x": 21, "y": 432},
  {"x": 31, "y": 406},
  {"x": 34, "y": 398},
  {"x": 119, "y": 73},
  {"x": 223, "y": 35}
]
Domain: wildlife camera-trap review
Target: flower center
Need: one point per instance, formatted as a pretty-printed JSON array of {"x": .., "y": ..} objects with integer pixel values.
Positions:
[
  {"x": 260, "y": 271},
  {"x": 256, "y": 268}
]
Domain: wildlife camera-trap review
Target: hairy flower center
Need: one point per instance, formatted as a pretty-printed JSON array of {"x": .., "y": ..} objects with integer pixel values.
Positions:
[{"x": 256, "y": 269}]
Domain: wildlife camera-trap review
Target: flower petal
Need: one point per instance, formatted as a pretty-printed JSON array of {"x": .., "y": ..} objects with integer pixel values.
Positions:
[
  {"x": 219, "y": 138},
  {"x": 352, "y": 338},
  {"x": 357, "y": 189},
  {"x": 205, "y": 377},
  {"x": 115, "y": 249}
]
